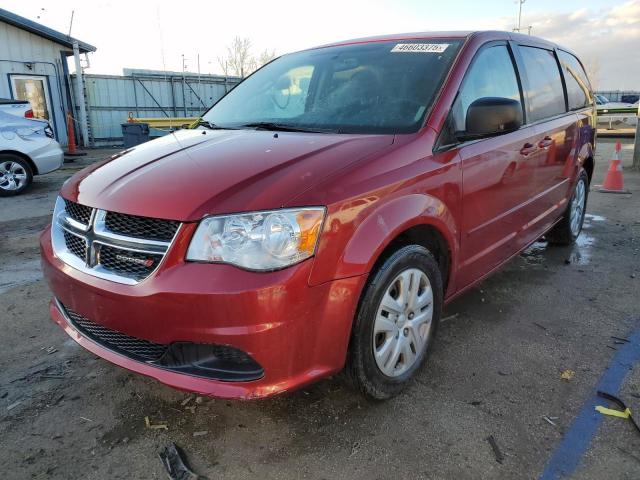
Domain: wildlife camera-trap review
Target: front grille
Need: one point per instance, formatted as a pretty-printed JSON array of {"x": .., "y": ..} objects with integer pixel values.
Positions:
[
  {"x": 128, "y": 263},
  {"x": 108, "y": 244},
  {"x": 75, "y": 245},
  {"x": 141, "y": 227},
  {"x": 80, "y": 213},
  {"x": 113, "y": 340}
]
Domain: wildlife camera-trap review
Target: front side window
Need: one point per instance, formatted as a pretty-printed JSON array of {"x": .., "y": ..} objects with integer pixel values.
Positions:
[
  {"x": 491, "y": 75},
  {"x": 544, "y": 92},
  {"x": 378, "y": 87},
  {"x": 578, "y": 88}
]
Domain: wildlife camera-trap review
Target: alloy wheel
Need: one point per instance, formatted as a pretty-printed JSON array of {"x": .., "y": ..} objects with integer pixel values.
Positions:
[
  {"x": 12, "y": 176},
  {"x": 577, "y": 207}
]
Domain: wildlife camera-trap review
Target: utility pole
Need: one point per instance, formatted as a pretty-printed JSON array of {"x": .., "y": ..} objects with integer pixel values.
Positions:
[
  {"x": 71, "y": 22},
  {"x": 199, "y": 84},
  {"x": 84, "y": 128},
  {"x": 520, "y": 2}
]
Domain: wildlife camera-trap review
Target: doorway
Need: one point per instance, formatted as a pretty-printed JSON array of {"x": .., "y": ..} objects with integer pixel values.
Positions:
[{"x": 34, "y": 89}]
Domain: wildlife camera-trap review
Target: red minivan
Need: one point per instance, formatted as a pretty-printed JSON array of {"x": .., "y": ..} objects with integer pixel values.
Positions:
[{"x": 323, "y": 211}]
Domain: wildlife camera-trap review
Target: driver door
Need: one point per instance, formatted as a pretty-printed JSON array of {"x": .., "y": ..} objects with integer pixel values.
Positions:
[{"x": 497, "y": 172}]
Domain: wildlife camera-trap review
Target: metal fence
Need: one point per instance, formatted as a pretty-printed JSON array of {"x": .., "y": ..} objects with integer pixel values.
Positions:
[{"x": 110, "y": 99}]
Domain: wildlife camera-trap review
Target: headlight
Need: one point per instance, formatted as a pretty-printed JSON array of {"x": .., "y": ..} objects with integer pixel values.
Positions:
[{"x": 260, "y": 240}]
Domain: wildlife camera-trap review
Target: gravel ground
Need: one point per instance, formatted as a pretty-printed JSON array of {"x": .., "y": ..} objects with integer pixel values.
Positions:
[{"x": 495, "y": 370}]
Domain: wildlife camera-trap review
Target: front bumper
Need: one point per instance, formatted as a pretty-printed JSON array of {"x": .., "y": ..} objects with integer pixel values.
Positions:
[{"x": 295, "y": 332}]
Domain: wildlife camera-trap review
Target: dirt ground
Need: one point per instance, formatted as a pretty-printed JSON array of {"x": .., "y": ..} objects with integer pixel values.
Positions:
[{"x": 496, "y": 370}]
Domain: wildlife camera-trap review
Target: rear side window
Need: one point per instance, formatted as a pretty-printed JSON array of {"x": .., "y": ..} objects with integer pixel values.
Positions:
[
  {"x": 491, "y": 75},
  {"x": 544, "y": 91},
  {"x": 578, "y": 89}
]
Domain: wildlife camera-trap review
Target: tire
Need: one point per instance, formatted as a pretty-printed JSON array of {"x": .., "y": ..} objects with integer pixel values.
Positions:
[
  {"x": 15, "y": 175},
  {"x": 565, "y": 232},
  {"x": 368, "y": 346}
]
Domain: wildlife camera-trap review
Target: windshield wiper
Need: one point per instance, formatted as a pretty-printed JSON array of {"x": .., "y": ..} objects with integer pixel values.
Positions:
[
  {"x": 212, "y": 126},
  {"x": 281, "y": 127}
]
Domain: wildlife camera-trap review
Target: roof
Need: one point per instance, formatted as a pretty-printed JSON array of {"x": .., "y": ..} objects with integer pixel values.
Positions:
[
  {"x": 42, "y": 31},
  {"x": 486, "y": 35},
  {"x": 400, "y": 36}
]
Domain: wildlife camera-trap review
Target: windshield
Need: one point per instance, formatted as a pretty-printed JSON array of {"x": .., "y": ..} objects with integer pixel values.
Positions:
[{"x": 379, "y": 87}]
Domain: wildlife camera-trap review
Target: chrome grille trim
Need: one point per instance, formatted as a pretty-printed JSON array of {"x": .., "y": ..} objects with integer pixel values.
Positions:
[
  {"x": 96, "y": 234},
  {"x": 99, "y": 226},
  {"x": 78, "y": 213}
]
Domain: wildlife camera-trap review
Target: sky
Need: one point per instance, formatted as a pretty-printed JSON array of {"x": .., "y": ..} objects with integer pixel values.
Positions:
[{"x": 156, "y": 34}]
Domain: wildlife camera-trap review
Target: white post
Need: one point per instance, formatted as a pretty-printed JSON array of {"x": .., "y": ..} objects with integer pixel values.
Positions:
[
  {"x": 84, "y": 128},
  {"x": 636, "y": 143},
  {"x": 520, "y": 2}
]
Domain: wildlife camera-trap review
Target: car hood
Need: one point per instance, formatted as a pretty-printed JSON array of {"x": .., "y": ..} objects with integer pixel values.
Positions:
[{"x": 192, "y": 173}]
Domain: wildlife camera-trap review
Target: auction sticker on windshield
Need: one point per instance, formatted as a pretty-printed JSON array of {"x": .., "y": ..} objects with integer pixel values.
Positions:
[{"x": 420, "y": 47}]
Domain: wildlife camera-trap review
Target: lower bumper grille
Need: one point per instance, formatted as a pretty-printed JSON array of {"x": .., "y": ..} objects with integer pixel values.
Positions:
[
  {"x": 217, "y": 362},
  {"x": 120, "y": 342}
]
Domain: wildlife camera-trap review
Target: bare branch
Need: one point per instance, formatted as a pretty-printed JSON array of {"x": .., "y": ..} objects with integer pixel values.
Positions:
[
  {"x": 240, "y": 61},
  {"x": 265, "y": 57},
  {"x": 224, "y": 65}
]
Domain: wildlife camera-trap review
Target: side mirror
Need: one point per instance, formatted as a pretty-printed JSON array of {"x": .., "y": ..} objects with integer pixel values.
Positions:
[{"x": 490, "y": 116}]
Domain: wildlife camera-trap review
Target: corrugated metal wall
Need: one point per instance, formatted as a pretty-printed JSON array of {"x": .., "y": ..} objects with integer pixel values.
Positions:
[{"x": 111, "y": 98}]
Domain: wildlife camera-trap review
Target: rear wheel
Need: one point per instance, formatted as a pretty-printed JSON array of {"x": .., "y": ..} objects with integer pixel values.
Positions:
[
  {"x": 568, "y": 229},
  {"x": 396, "y": 322},
  {"x": 15, "y": 175}
]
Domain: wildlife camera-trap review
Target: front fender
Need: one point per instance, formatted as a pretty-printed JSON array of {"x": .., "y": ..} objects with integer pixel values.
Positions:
[{"x": 373, "y": 229}]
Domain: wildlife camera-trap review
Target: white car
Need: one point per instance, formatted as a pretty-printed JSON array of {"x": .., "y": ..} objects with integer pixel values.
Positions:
[{"x": 27, "y": 147}]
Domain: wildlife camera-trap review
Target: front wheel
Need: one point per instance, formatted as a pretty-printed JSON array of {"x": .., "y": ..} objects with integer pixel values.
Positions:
[
  {"x": 15, "y": 175},
  {"x": 567, "y": 230},
  {"x": 396, "y": 322}
]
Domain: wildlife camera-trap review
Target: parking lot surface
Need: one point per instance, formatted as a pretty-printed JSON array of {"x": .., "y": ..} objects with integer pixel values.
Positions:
[{"x": 496, "y": 370}]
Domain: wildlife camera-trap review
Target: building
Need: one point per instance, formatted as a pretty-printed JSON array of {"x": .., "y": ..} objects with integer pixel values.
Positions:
[{"x": 33, "y": 66}]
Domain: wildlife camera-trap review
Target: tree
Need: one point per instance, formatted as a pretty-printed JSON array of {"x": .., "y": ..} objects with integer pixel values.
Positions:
[
  {"x": 265, "y": 57},
  {"x": 239, "y": 60}
]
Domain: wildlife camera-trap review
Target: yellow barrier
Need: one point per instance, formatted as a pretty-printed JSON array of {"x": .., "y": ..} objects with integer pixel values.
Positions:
[{"x": 166, "y": 122}]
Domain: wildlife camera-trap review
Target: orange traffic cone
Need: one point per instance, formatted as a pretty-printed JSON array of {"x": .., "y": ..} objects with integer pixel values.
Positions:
[
  {"x": 71, "y": 148},
  {"x": 71, "y": 136},
  {"x": 613, "y": 180}
]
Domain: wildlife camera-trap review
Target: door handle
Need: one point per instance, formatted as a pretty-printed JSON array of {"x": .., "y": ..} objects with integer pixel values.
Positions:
[
  {"x": 546, "y": 142},
  {"x": 528, "y": 149}
]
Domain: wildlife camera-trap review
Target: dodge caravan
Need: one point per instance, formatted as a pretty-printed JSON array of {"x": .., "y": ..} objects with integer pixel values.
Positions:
[{"x": 323, "y": 212}]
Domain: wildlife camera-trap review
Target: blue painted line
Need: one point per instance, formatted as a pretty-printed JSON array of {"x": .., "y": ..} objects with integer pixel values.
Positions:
[{"x": 577, "y": 439}]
